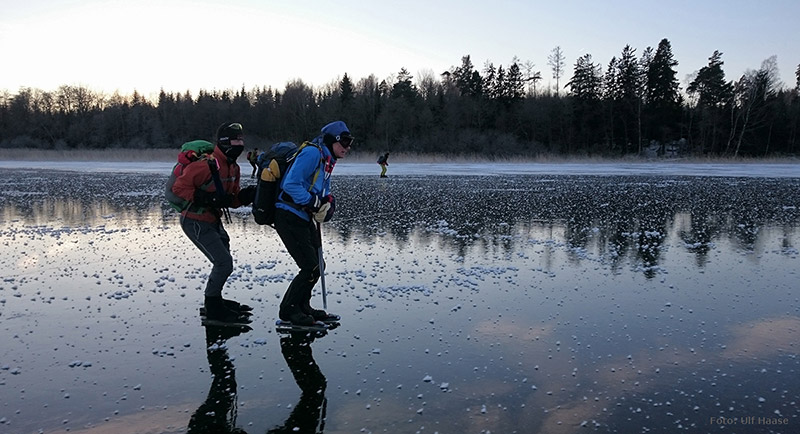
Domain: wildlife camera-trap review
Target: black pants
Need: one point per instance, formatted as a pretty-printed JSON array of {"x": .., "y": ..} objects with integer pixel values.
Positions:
[
  {"x": 214, "y": 242},
  {"x": 301, "y": 240}
]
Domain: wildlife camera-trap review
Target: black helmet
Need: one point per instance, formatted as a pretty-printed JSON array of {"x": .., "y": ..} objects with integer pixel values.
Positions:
[{"x": 227, "y": 132}]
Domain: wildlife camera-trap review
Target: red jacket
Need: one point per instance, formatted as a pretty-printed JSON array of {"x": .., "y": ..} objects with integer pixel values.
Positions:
[{"x": 197, "y": 174}]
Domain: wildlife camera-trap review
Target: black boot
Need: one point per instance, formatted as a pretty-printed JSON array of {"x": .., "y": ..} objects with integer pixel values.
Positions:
[
  {"x": 295, "y": 315},
  {"x": 319, "y": 314},
  {"x": 216, "y": 311},
  {"x": 237, "y": 307}
]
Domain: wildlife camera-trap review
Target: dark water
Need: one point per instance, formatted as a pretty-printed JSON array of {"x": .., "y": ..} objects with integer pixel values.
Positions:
[{"x": 507, "y": 304}]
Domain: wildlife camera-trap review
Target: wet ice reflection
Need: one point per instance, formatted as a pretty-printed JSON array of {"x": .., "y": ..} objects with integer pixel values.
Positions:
[{"x": 469, "y": 304}]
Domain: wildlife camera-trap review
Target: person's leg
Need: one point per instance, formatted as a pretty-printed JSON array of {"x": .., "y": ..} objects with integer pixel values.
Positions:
[
  {"x": 298, "y": 237},
  {"x": 230, "y": 304},
  {"x": 214, "y": 242}
]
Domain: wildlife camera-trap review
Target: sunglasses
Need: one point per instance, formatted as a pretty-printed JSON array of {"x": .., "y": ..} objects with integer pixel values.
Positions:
[{"x": 345, "y": 141}]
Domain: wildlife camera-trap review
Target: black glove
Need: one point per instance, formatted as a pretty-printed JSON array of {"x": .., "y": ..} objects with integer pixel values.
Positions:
[
  {"x": 320, "y": 208},
  {"x": 203, "y": 198},
  {"x": 313, "y": 205},
  {"x": 212, "y": 199},
  {"x": 247, "y": 195}
]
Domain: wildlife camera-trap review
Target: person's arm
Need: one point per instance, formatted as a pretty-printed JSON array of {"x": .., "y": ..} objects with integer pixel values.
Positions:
[
  {"x": 234, "y": 172},
  {"x": 298, "y": 179}
]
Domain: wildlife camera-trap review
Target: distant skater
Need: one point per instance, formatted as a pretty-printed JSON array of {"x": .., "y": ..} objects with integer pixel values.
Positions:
[
  {"x": 212, "y": 186},
  {"x": 305, "y": 201},
  {"x": 252, "y": 157},
  {"x": 383, "y": 161}
]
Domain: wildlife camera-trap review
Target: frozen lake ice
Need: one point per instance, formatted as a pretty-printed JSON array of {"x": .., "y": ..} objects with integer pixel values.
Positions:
[
  {"x": 522, "y": 302},
  {"x": 345, "y": 167}
]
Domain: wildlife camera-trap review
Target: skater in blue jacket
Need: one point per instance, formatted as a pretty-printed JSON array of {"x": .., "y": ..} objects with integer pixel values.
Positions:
[{"x": 306, "y": 201}]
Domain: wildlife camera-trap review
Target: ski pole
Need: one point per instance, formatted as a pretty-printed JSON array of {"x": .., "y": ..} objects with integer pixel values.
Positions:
[{"x": 321, "y": 266}]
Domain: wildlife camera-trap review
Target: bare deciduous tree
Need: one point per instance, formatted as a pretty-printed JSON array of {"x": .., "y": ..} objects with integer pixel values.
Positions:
[{"x": 556, "y": 62}]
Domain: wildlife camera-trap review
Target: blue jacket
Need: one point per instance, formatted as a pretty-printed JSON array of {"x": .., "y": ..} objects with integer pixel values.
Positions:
[{"x": 296, "y": 188}]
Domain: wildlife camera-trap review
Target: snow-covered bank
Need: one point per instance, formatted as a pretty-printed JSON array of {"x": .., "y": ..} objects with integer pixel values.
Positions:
[{"x": 768, "y": 170}]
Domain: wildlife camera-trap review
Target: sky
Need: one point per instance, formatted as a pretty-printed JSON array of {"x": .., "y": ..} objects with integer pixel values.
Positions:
[{"x": 178, "y": 45}]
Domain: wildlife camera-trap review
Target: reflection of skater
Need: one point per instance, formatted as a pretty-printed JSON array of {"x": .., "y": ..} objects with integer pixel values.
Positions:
[
  {"x": 304, "y": 203},
  {"x": 383, "y": 160},
  {"x": 217, "y": 414},
  {"x": 308, "y": 415},
  {"x": 212, "y": 189}
]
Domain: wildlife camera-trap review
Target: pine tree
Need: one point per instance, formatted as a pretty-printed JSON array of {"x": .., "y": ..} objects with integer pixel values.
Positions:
[
  {"x": 713, "y": 94},
  {"x": 710, "y": 84},
  {"x": 514, "y": 83},
  {"x": 662, "y": 87},
  {"x": 491, "y": 90},
  {"x": 586, "y": 87},
  {"x": 662, "y": 96},
  {"x": 586, "y": 82},
  {"x": 611, "y": 97},
  {"x": 403, "y": 87},
  {"x": 467, "y": 79},
  {"x": 628, "y": 100},
  {"x": 498, "y": 87},
  {"x": 346, "y": 93}
]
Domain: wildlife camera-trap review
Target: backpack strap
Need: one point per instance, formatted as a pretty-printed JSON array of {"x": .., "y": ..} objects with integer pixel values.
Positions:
[
  {"x": 321, "y": 159},
  {"x": 213, "y": 166}
]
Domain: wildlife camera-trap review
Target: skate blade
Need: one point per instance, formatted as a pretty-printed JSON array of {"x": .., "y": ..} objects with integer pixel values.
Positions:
[
  {"x": 331, "y": 319},
  {"x": 317, "y": 327}
]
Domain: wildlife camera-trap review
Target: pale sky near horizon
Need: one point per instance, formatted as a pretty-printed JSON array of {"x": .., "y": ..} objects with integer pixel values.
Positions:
[{"x": 179, "y": 45}]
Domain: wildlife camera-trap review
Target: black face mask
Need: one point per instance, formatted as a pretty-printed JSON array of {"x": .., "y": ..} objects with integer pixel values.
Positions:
[
  {"x": 330, "y": 149},
  {"x": 231, "y": 151}
]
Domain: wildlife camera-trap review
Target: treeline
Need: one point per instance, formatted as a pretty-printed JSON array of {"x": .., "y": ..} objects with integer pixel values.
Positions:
[{"x": 632, "y": 106}]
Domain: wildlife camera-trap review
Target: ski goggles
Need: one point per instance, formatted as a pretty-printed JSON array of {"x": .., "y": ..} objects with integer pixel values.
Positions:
[{"x": 345, "y": 140}]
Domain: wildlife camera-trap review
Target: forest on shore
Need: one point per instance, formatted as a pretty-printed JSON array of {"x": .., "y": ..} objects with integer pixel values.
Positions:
[{"x": 633, "y": 106}]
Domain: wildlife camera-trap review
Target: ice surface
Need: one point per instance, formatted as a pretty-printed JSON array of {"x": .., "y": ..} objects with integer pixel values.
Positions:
[
  {"x": 517, "y": 303},
  {"x": 659, "y": 167}
]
